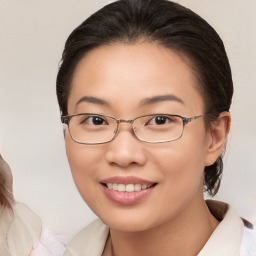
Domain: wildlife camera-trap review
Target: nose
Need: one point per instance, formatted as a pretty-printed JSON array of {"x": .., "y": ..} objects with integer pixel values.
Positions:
[{"x": 125, "y": 149}]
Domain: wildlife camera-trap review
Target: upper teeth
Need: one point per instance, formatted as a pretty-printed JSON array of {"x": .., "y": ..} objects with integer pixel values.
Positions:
[{"x": 128, "y": 187}]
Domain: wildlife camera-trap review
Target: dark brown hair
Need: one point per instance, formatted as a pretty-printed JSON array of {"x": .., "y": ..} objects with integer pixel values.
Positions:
[{"x": 170, "y": 25}]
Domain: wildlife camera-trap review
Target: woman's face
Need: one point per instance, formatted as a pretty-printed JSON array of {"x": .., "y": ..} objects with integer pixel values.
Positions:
[{"x": 123, "y": 78}]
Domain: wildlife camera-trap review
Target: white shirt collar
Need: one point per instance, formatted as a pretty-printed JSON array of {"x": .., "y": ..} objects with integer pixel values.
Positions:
[{"x": 227, "y": 237}]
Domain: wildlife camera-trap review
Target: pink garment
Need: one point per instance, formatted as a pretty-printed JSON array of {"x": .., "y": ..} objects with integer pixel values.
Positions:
[{"x": 50, "y": 244}]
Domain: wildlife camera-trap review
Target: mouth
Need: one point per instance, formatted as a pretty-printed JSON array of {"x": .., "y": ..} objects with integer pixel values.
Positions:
[{"x": 128, "y": 188}]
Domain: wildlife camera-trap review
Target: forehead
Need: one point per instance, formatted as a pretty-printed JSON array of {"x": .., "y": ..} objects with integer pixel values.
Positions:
[{"x": 131, "y": 73}]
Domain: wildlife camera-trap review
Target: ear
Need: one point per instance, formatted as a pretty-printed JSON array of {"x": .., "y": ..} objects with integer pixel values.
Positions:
[{"x": 218, "y": 136}]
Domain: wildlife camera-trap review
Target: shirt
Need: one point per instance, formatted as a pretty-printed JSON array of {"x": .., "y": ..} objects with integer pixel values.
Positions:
[{"x": 20, "y": 230}]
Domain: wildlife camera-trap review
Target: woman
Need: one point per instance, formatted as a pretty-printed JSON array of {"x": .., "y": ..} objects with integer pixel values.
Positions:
[
  {"x": 144, "y": 90},
  {"x": 20, "y": 228}
]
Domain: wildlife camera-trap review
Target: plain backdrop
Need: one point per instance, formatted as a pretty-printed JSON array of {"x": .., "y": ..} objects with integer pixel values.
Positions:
[{"x": 32, "y": 36}]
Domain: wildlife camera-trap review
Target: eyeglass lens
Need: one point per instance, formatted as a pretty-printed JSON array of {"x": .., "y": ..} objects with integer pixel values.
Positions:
[{"x": 94, "y": 129}]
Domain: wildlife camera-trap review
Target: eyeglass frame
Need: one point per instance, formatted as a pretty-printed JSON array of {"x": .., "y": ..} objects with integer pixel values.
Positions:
[{"x": 185, "y": 120}]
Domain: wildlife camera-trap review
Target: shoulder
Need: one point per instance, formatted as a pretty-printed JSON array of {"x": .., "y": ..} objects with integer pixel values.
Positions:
[
  {"x": 24, "y": 230},
  {"x": 23, "y": 214},
  {"x": 89, "y": 241},
  {"x": 41, "y": 241}
]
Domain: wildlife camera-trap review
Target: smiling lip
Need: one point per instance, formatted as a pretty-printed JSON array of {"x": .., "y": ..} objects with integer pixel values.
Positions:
[{"x": 144, "y": 188}]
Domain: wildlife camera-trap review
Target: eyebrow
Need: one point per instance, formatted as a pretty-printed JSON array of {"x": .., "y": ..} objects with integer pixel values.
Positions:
[
  {"x": 93, "y": 100},
  {"x": 161, "y": 98}
]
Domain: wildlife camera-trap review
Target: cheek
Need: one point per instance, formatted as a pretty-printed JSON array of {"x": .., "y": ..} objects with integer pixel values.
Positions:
[
  {"x": 182, "y": 163},
  {"x": 83, "y": 161},
  {"x": 180, "y": 166}
]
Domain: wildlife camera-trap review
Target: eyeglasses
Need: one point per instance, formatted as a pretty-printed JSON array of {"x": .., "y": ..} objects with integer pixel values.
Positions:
[{"x": 88, "y": 128}]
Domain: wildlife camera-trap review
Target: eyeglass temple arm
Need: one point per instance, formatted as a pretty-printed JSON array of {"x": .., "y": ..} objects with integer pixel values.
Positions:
[
  {"x": 190, "y": 119},
  {"x": 64, "y": 119}
]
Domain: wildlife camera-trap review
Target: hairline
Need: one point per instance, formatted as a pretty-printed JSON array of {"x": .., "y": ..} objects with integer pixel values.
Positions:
[{"x": 188, "y": 60}]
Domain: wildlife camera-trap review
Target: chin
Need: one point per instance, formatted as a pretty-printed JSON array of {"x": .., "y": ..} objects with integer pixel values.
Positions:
[
  {"x": 129, "y": 220},
  {"x": 127, "y": 226}
]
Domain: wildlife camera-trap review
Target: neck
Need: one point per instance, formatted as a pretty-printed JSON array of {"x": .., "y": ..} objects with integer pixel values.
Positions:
[{"x": 185, "y": 235}]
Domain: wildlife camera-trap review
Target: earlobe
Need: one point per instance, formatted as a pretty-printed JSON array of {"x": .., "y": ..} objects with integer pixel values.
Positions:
[{"x": 219, "y": 132}]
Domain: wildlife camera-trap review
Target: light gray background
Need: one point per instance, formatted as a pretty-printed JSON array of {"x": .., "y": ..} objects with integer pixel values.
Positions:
[{"x": 32, "y": 36}]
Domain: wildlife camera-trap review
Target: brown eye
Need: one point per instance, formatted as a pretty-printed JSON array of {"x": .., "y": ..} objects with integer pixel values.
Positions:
[
  {"x": 94, "y": 120},
  {"x": 97, "y": 120},
  {"x": 159, "y": 120}
]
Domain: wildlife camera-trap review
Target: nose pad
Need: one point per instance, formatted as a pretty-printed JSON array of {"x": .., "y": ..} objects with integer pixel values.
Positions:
[
  {"x": 125, "y": 149},
  {"x": 135, "y": 130}
]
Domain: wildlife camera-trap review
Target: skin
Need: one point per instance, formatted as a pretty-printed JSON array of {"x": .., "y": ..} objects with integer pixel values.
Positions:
[{"x": 175, "y": 213}]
